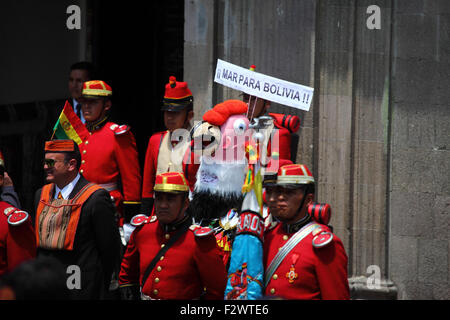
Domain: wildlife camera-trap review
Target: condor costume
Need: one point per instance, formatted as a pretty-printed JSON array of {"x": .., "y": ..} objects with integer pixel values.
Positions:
[
  {"x": 217, "y": 195},
  {"x": 17, "y": 240},
  {"x": 191, "y": 267},
  {"x": 110, "y": 158},
  {"x": 79, "y": 230}
]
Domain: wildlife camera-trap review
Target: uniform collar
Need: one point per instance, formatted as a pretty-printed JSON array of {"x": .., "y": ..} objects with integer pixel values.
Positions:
[
  {"x": 174, "y": 226},
  {"x": 92, "y": 126},
  {"x": 294, "y": 227}
]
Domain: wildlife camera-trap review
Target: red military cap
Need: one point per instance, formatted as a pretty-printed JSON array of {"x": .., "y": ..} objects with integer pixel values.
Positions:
[
  {"x": 171, "y": 182},
  {"x": 95, "y": 89},
  {"x": 177, "y": 95},
  {"x": 294, "y": 174},
  {"x": 271, "y": 171}
]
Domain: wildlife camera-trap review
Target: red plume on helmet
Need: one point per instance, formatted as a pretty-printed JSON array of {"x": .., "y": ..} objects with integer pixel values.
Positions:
[
  {"x": 177, "y": 91},
  {"x": 172, "y": 81}
]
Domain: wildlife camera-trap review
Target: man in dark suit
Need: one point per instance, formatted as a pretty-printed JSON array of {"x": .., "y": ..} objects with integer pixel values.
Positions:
[
  {"x": 80, "y": 72},
  {"x": 75, "y": 223}
]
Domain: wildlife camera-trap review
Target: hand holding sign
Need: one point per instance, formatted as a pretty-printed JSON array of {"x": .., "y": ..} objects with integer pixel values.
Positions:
[{"x": 262, "y": 86}]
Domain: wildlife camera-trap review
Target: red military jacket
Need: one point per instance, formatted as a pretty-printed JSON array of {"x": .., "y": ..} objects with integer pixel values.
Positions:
[
  {"x": 189, "y": 168},
  {"x": 190, "y": 267},
  {"x": 307, "y": 272},
  {"x": 17, "y": 239},
  {"x": 109, "y": 158}
]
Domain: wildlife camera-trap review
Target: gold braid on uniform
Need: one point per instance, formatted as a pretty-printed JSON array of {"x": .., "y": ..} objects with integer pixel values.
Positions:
[{"x": 95, "y": 125}]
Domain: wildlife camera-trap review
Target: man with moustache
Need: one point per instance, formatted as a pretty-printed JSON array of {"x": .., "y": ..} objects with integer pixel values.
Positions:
[
  {"x": 167, "y": 257},
  {"x": 303, "y": 259},
  {"x": 75, "y": 223}
]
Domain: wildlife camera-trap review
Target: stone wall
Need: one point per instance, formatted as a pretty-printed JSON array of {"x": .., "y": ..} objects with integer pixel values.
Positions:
[{"x": 419, "y": 197}]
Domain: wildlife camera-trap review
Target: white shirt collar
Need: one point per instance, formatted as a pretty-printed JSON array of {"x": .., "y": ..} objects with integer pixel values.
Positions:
[{"x": 67, "y": 190}]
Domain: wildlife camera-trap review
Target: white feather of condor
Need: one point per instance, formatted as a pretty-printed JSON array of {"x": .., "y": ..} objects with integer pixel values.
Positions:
[{"x": 224, "y": 179}]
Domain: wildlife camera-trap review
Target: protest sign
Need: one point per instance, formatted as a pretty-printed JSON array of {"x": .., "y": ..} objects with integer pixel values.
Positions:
[{"x": 263, "y": 86}]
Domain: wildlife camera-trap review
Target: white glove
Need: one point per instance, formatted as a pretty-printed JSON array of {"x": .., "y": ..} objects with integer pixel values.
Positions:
[{"x": 127, "y": 231}]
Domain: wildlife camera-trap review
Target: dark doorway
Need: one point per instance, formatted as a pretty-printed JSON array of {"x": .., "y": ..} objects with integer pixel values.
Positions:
[{"x": 136, "y": 47}]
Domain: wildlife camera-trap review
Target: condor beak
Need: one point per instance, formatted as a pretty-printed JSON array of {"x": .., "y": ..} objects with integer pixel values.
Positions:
[{"x": 206, "y": 138}]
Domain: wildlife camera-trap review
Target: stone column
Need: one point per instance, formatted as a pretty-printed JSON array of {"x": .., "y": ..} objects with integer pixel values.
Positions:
[
  {"x": 199, "y": 52},
  {"x": 353, "y": 136}
]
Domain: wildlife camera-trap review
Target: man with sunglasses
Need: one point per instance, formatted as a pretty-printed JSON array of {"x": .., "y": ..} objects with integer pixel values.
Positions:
[
  {"x": 75, "y": 223},
  {"x": 303, "y": 259}
]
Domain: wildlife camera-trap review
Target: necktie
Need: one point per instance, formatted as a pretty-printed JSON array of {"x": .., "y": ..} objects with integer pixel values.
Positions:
[
  {"x": 60, "y": 195},
  {"x": 78, "y": 108}
]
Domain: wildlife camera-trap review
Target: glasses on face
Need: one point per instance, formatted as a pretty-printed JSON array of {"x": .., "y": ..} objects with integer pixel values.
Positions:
[{"x": 51, "y": 162}]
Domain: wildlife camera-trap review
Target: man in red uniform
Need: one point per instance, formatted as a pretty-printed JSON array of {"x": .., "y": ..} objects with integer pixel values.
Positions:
[
  {"x": 109, "y": 155},
  {"x": 303, "y": 259},
  {"x": 279, "y": 127},
  {"x": 166, "y": 151},
  {"x": 17, "y": 240},
  {"x": 190, "y": 267}
]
